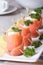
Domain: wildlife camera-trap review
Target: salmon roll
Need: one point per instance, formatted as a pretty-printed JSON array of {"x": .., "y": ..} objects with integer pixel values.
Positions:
[
  {"x": 32, "y": 26},
  {"x": 14, "y": 42},
  {"x": 26, "y": 35},
  {"x": 37, "y": 19},
  {"x": 38, "y": 23},
  {"x": 39, "y": 11}
]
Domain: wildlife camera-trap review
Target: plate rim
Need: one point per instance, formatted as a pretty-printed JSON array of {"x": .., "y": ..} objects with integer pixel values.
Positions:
[{"x": 10, "y": 11}]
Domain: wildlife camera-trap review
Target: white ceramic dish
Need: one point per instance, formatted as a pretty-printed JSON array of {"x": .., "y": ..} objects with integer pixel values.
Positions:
[
  {"x": 30, "y": 3},
  {"x": 9, "y": 10},
  {"x": 22, "y": 58},
  {"x": 3, "y": 5}
]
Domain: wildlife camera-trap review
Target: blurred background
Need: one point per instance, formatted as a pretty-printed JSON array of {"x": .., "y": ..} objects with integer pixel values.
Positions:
[{"x": 27, "y": 3}]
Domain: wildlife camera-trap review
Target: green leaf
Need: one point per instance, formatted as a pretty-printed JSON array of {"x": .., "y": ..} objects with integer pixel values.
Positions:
[
  {"x": 38, "y": 10},
  {"x": 36, "y": 44},
  {"x": 35, "y": 16},
  {"x": 16, "y": 29},
  {"x": 41, "y": 37},
  {"x": 29, "y": 52},
  {"x": 28, "y": 22}
]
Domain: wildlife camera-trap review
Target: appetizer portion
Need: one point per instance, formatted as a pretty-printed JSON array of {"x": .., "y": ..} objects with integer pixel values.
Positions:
[
  {"x": 36, "y": 14},
  {"x": 26, "y": 35},
  {"x": 14, "y": 42},
  {"x": 31, "y": 23},
  {"x": 28, "y": 22}
]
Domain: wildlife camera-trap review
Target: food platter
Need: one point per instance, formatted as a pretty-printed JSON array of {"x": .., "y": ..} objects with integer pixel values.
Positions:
[
  {"x": 22, "y": 58},
  {"x": 12, "y": 42}
]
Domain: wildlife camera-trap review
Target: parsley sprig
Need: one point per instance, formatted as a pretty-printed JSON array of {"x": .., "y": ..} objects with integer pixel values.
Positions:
[
  {"x": 38, "y": 10},
  {"x": 28, "y": 22},
  {"x": 41, "y": 37},
  {"x": 35, "y": 16},
  {"x": 36, "y": 44},
  {"x": 16, "y": 29},
  {"x": 29, "y": 52}
]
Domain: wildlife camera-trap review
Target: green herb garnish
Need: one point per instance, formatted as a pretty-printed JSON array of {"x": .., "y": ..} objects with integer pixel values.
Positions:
[
  {"x": 16, "y": 29},
  {"x": 27, "y": 22},
  {"x": 36, "y": 44},
  {"x": 29, "y": 52},
  {"x": 38, "y": 10},
  {"x": 41, "y": 37},
  {"x": 35, "y": 16}
]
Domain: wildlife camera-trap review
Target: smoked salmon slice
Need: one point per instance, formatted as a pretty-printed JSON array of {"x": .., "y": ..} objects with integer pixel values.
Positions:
[
  {"x": 33, "y": 30},
  {"x": 37, "y": 19},
  {"x": 14, "y": 40},
  {"x": 17, "y": 51},
  {"x": 26, "y": 35},
  {"x": 38, "y": 23}
]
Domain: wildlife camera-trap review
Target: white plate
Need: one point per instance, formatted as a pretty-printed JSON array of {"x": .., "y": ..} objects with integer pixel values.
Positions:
[
  {"x": 22, "y": 58},
  {"x": 9, "y": 10}
]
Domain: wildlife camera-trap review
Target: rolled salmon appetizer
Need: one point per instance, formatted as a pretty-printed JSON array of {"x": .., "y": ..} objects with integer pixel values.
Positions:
[
  {"x": 26, "y": 35},
  {"x": 38, "y": 23},
  {"x": 39, "y": 11},
  {"x": 37, "y": 19},
  {"x": 32, "y": 26},
  {"x": 14, "y": 42}
]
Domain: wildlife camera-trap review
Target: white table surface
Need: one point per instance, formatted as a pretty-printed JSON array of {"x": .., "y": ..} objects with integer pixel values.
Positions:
[{"x": 6, "y": 21}]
